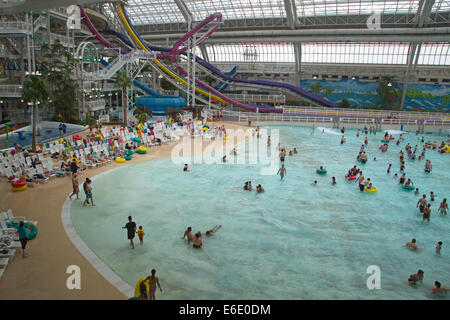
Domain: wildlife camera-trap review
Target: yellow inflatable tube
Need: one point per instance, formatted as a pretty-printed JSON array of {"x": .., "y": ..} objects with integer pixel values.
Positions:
[
  {"x": 371, "y": 190},
  {"x": 137, "y": 292},
  {"x": 19, "y": 188},
  {"x": 141, "y": 148},
  {"x": 161, "y": 65},
  {"x": 120, "y": 160}
]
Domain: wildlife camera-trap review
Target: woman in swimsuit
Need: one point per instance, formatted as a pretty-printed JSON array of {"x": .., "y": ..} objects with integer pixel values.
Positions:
[
  {"x": 198, "y": 241},
  {"x": 443, "y": 207},
  {"x": 153, "y": 282},
  {"x": 426, "y": 213}
]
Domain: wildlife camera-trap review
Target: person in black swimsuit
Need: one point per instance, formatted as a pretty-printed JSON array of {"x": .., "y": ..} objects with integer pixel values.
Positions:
[{"x": 131, "y": 228}]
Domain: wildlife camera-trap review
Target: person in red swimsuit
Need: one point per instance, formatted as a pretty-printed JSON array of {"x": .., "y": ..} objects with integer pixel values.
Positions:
[{"x": 197, "y": 241}]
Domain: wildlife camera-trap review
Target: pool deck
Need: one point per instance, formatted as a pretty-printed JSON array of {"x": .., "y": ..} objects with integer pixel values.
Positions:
[{"x": 42, "y": 275}]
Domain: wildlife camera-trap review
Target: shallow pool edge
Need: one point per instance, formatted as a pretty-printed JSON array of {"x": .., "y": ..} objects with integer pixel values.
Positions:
[{"x": 87, "y": 253}]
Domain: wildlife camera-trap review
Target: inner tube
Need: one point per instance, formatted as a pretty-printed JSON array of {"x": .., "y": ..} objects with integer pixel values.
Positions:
[
  {"x": 19, "y": 188},
  {"x": 141, "y": 148},
  {"x": 136, "y": 140},
  {"x": 120, "y": 160},
  {"x": 352, "y": 178},
  {"x": 32, "y": 230},
  {"x": 427, "y": 146},
  {"x": 129, "y": 152},
  {"x": 137, "y": 292},
  {"x": 18, "y": 183},
  {"x": 391, "y": 138},
  {"x": 76, "y": 137},
  {"x": 141, "y": 152},
  {"x": 127, "y": 157},
  {"x": 363, "y": 162},
  {"x": 321, "y": 171},
  {"x": 385, "y": 141},
  {"x": 371, "y": 190},
  {"x": 409, "y": 188}
]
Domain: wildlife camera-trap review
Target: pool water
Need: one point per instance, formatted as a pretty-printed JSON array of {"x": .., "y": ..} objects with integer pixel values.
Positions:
[
  {"x": 295, "y": 241},
  {"x": 47, "y": 134}
]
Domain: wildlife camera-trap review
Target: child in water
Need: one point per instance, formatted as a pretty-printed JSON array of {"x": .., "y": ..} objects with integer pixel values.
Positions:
[{"x": 140, "y": 233}]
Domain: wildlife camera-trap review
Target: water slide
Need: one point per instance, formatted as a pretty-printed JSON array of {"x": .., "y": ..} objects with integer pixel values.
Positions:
[
  {"x": 176, "y": 51},
  {"x": 217, "y": 16},
  {"x": 223, "y": 85},
  {"x": 157, "y": 102}
]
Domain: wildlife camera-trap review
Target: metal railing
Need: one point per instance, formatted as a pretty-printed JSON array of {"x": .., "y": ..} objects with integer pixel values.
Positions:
[
  {"x": 385, "y": 114},
  {"x": 258, "y": 97},
  {"x": 94, "y": 105},
  {"x": 253, "y": 116},
  {"x": 11, "y": 90}
]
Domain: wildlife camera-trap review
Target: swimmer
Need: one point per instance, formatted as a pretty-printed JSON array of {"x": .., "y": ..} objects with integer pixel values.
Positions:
[
  {"x": 409, "y": 183},
  {"x": 314, "y": 183},
  {"x": 211, "y": 232},
  {"x": 374, "y": 159},
  {"x": 140, "y": 233},
  {"x": 412, "y": 245},
  {"x": 389, "y": 168},
  {"x": 245, "y": 186},
  {"x": 357, "y": 133},
  {"x": 415, "y": 277},
  {"x": 268, "y": 141},
  {"x": 290, "y": 152},
  {"x": 366, "y": 141},
  {"x": 186, "y": 167},
  {"x": 426, "y": 213},
  {"x": 342, "y": 140},
  {"x": 439, "y": 247},
  {"x": 249, "y": 186},
  {"x": 224, "y": 158},
  {"x": 282, "y": 171},
  {"x": 322, "y": 168},
  {"x": 438, "y": 288},
  {"x": 233, "y": 152},
  {"x": 259, "y": 188},
  {"x": 443, "y": 207},
  {"x": 402, "y": 179},
  {"x": 153, "y": 282},
  {"x": 197, "y": 241},
  {"x": 188, "y": 234},
  {"x": 333, "y": 180},
  {"x": 395, "y": 176},
  {"x": 432, "y": 196},
  {"x": 417, "y": 191},
  {"x": 295, "y": 150},
  {"x": 422, "y": 203}
]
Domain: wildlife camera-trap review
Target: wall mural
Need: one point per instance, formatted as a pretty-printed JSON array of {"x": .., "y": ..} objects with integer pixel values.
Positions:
[{"x": 420, "y": 97}]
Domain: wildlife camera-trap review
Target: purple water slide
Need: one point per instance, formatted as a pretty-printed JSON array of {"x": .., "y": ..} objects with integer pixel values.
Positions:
[
  {"x": 176, "y": 51},
  {"x": 219, "y": 73}
]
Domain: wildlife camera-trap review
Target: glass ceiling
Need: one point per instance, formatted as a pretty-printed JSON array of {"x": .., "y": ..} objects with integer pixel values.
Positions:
[
  {"x": 329, "y": 52},
  {"x": 354, "y": 7},
  {"x": 144, "y": 12}
]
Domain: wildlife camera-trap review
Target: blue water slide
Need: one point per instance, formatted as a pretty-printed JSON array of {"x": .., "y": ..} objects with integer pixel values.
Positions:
[
  {"x": 155, "y": 101},
  {"x": 223, "y": 85}
]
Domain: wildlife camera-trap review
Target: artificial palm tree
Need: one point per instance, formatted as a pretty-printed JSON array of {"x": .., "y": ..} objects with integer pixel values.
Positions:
[
  {"x": 124, "y": 82},
  {"x": 35, "y": 89}
]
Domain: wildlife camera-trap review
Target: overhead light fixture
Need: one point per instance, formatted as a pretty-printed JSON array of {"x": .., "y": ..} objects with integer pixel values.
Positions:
[
  {"x": 353, "y": 78},
  {"x": 389, "y": 84}
]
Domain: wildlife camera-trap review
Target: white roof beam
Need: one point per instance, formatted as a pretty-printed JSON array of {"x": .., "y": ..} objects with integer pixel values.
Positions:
[
  {"x": 187, "y": 14},
  {"x": 291, "y": 14}
]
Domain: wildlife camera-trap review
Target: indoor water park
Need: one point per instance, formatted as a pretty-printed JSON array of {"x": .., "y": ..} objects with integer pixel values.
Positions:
[{"x": 190, "y": 150}]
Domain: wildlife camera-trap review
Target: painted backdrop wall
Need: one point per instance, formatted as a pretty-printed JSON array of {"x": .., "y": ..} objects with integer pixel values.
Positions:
[{"x": 424, "y": 97}]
